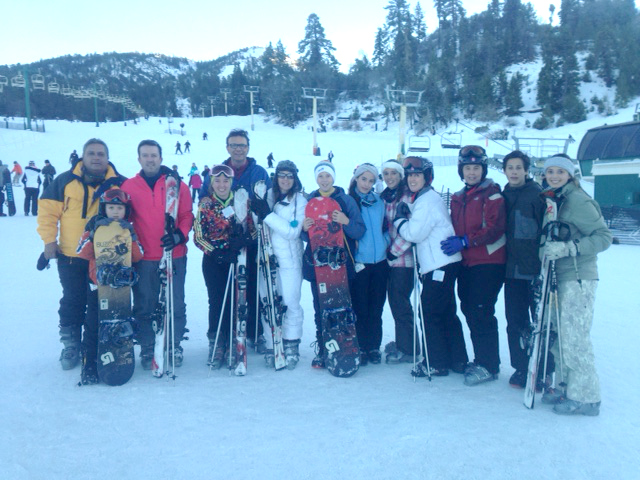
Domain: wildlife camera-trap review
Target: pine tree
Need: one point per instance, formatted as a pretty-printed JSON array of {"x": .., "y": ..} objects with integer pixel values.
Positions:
[{"x": 315, "y": 49}]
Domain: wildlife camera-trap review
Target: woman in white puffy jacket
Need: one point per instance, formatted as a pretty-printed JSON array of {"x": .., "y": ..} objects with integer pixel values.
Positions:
[
  {"x": 283, "y": 213},
  {"x": 426, "y": 222}
]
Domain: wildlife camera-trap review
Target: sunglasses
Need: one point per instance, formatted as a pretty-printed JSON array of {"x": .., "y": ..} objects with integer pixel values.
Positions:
[
  {"x": 472, "y": 151},
  {"x": 225, "y": 170},
  {"x": 234, "y": 146},
  {"x": 286, "y": 175}
]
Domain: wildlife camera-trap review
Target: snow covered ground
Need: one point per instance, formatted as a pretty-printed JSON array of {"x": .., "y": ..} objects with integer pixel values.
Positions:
[{"x": 304, "y": 424}]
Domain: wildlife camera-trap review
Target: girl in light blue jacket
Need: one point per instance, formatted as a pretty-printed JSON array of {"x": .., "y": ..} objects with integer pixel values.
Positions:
[{"x": 370, "y": 284}]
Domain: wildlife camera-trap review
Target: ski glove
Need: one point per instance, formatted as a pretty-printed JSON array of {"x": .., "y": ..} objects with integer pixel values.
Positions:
[
  {"x": 390, "y": 256},
  {"x": 555, "y": 250},
  {"x": 403, "y": 212},
  {"x": 172, "y": 240},
  {"x": 260, "y": 207},
  {"x": 453, "y": 245}
]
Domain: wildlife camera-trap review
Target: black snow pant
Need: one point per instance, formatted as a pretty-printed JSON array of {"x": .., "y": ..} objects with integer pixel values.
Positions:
[
  {"x": 215, "y": 278},
  {"x": 90, "y": 337},
  {"x": 31, "y": 201},
  {"x": 445, "y": 340},
  {"x": 478, "y": 289},
  {"x": 519, "y": 309},
  {"x": 399, "y": 289},
  {"x": 74, "y": 278},
  {"x": 145, "y": 299},
  {"x": 1, "y": 201},
  {"x": 368, "y": 295}
]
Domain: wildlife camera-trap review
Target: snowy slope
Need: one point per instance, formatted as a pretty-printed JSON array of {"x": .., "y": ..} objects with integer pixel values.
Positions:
[{"x": 304, "y": 424}]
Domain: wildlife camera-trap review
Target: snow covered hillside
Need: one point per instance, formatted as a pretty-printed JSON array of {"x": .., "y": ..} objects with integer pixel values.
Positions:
[{"x": 302, "y": 424}]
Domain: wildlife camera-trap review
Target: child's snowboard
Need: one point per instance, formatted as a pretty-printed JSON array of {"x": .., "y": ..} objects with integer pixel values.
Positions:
[
  {"x": 116, "y": 361},
  {"x": 330, "y": 262}
]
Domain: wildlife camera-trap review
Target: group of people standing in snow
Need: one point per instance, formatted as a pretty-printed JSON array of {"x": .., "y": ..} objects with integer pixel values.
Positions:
[{"x": 489, "y": 238}]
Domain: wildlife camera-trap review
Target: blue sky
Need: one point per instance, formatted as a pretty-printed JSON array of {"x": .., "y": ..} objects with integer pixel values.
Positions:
[{"x": 196, "y": 29}]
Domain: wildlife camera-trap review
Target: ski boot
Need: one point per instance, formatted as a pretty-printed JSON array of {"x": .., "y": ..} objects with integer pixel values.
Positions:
[
  {"x": 573, "y": 407},
  {"x": 375, "y": 357},
  {"x": 216, "y": 358},
  {"x": 89, "y": 374},
  {"x": 146, "y": 356},
  {"x": 178, "y": 356},
  {"x": 269, "y": 358},
  {"x": 70, "y": 355},
  {"x": 261, "y": 345},
  {"x": 291, "y": 353},
  {"x": 518, "y": 379},
  {"x": 477, "y": 374},
  {"x": 318, "y": 347}
]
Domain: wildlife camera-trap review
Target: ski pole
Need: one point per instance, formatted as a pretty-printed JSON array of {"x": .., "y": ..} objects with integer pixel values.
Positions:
[
  {"x": 554, "y": 291},
  {"x": 415, "y": 316},
  {"x": 421, "y": 315},
  {"x": 224, "y": 303},
  {"x": 231, "y": 322}
]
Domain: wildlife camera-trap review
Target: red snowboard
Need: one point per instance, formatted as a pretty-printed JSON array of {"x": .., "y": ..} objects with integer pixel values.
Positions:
[{"x": 338, "y": 320}]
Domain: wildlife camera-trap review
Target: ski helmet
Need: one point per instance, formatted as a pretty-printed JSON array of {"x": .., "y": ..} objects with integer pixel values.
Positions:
[
  {"x": 114, "y": 196},
  {"x": 419, "y": 165},
  {"x": 472, "y": 155}
]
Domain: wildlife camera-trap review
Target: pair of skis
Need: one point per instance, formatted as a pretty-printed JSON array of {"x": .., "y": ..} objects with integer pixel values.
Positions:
[
  {"x": 163, "y": 324},
  {"x": 273, "y": 308},
  {"x": 545, "y": 286}
]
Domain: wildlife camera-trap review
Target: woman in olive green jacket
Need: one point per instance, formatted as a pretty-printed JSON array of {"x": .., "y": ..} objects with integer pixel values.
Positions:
[{"x": 583, "y": 234}]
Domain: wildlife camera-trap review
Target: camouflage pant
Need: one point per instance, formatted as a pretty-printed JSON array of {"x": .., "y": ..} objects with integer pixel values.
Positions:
[{"x": 578, "y": 362}]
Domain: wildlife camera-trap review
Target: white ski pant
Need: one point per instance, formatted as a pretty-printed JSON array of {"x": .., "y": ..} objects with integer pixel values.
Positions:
[
  {"x": 576, "y": 304},
  {"x": 289, "y": 286}
]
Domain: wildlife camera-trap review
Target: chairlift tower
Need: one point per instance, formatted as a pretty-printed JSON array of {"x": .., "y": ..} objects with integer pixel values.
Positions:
[
  {"x": 315, "y": 94},
  {"x": 251, "y": 89},
  {"x": 225, "y": 92},
  {"x": 211, "y": 102},
  {"x": 403, "y": 99}
]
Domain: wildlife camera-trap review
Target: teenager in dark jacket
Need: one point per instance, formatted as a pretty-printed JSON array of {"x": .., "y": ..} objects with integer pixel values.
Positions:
[
  {"x": 353, "y": 227},
  {"x": 525, "y": 209},
  {"x": 478, "y": 216}
]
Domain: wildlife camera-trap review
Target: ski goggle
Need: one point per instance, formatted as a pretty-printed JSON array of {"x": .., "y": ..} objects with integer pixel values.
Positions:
[
  {"x": 419, "y": 164},
  {"x": 225, "y": 170},
  {"x": 472, "y": 151},
  {"x": 115, "y": 195},
  {"x": 286, "y": 175}
]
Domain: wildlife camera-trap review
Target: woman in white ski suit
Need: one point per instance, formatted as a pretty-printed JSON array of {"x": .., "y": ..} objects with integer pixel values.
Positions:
[
  {"x": 426, "y": 223},
  {"x": 287, "y": 204}
]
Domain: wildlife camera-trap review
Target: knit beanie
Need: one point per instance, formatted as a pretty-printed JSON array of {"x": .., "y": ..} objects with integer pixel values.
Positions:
[
  {"x": 365, "y": 167},
  {"x": 392, "y": 164},
  {"x": 324, "y": 166},
  {"x": 560, "y": 162}
]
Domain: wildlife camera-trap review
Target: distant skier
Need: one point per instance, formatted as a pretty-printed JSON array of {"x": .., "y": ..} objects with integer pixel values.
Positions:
[
  {"x": 178, "y": 148},
  {"x": 195, "y": 182},
  {"x": 187, "y": 145},
  {"x": 330, "y": 156},
  {"x": 73, "y": 158},
  {"x": 48, "y": 172},
  {"x": 205, "y": 136},
  {"x": 270, "y": 160},
  {"x": 32, "y": 182},
  {"x": 17, "y": 173},
  {"x": 5, "y": 178}
]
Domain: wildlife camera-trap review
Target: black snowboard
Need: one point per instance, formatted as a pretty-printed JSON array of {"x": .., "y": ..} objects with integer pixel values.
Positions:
[{"x": 116, "y": 361}]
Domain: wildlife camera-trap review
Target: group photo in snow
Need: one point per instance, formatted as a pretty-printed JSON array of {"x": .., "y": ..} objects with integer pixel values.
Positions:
[{"x": 357, "y": 240}]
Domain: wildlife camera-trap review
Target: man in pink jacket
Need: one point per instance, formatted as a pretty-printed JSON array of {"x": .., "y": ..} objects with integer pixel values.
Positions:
[{"x": 148, "y": 198}]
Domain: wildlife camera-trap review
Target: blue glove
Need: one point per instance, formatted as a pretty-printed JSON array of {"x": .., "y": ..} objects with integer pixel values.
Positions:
[{"x": 453, "y": 245}]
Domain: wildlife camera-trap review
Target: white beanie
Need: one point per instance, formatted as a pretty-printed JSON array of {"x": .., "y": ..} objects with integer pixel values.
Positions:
[
  {"x": 560, "y": 162},
  {"x": 393, "y": 165},
  {"x": 324, "y": 166}
]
